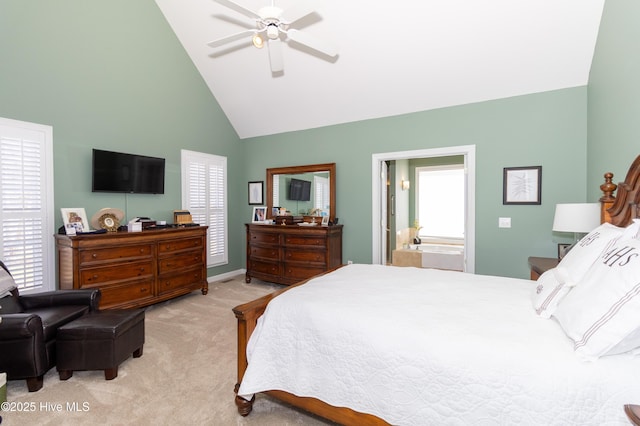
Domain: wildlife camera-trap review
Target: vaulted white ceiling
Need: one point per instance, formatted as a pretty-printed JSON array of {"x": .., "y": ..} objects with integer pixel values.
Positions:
[{"x": 395, "y": 57}]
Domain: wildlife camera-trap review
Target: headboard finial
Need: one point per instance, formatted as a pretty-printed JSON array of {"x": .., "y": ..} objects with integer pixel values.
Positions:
[{"x": 608, "y": 188}]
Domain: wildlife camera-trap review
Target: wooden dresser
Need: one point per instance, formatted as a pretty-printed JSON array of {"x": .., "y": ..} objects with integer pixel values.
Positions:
[
  {"x": 134, "y": 269},
  {"x": 287, "y": 254}
]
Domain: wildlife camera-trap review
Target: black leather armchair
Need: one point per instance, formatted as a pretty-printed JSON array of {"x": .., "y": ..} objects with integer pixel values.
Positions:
[{"x": 28, "y": 330}]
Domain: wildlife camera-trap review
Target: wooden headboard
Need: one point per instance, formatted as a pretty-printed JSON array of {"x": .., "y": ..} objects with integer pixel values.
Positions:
[{"x": 622, "y": 207}]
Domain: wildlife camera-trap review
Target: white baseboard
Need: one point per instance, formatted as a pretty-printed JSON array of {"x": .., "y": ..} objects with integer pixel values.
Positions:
[{"x": 226, "y": 275}]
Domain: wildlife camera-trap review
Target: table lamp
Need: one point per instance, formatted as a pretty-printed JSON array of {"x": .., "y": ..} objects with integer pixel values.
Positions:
[{"x": 579, "y": 218}]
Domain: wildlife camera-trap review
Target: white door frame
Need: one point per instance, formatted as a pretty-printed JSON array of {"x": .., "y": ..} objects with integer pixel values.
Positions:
[{"x": 378, "y": 222}]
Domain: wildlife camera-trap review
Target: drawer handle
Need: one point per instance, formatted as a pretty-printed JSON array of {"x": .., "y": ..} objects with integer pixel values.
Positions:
[
  {"x": 167, "y": 284},
  {"x": 168, "y": 247},
  {"x": 142, "y": 269},
  {"x": 142, "y": 250},
  {"x": 169, "y": 264},
  {"x": 94, "y": 255},
  {"x": 144, "y": 290},
  {"x": 95, "y": 277}
]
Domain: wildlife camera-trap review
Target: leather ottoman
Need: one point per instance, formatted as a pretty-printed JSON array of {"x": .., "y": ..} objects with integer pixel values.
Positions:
[{"x": 99, "y": 341}]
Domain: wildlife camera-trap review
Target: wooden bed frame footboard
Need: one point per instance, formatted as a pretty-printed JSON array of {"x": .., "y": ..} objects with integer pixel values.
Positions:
[
  {"x": 247, "y": 315},
  {"x": 619, "y": 210}
]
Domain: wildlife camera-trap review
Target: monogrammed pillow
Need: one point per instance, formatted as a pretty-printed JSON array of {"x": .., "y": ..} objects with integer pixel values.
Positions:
[
  {"x": 585, "y": 252},
  {"x": 602, "y": 313},
  {"x": 550, "y": 289}
]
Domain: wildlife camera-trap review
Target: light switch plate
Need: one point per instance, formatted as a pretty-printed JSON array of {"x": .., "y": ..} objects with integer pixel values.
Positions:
[{"x": 504, "y": 222}]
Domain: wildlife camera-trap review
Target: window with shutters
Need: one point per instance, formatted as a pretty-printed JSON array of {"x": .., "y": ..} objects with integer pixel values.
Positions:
[
  {"x": 276, "y": 191},
  {"x": 321, "y": 193},
  {"x": 204, "y": 194},
  {"x": 26, "y": 204}
]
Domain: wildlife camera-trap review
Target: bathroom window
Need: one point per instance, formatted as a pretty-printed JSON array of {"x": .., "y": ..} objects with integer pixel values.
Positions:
[{"x": 440, "y": 202}]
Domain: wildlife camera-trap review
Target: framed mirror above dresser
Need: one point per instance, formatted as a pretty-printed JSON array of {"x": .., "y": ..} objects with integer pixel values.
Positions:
[
  {"x": 288, "y": 252},
  {"x": 322, "y": 179}
]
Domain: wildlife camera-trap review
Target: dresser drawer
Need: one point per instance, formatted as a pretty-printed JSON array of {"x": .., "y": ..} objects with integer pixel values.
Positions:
[
  {"x": 180, "y": 261},
  {"x": 115, "y": 253},
  {"x": 96, "y": 276},
  {"x": 305, "y": 241},
  {"x": 272, "y": 268},
  {"x": 169, "y": 283},
  {"x": 302, "y": 255},
  {"x": 120, "y": 294},
  {"x": 302, "y": 272},
  {"x": 265, "y": 252},
  {"x": 264, "y": 237},
  {"x": 169, "y": 246}
]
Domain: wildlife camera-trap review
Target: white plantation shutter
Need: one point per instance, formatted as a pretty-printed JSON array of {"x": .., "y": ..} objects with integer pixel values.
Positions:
[
  {"x": 204, "y": 194},
  {"x": 276, "y": 191},
  {"x": 26, "y": 204},
  {"x": 321, "y": 192}
]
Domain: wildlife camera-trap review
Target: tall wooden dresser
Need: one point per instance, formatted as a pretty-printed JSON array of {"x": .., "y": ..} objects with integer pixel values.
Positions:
[
  {"x": 134, "y": 269},
  {"x": 287, "y": 254}
]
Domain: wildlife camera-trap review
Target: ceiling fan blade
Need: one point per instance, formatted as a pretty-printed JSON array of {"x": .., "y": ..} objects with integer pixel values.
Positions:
[
  {"x": 299, "y": 10},
  {"x": 232, "y": 37},
  {"x": 314, "y": 43},
  {"x": 239, "y": 8},
  {"x": 275, "y": 55}
]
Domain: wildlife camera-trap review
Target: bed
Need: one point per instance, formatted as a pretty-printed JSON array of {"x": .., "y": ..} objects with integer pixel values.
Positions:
[{"x": 372, "y": 344}]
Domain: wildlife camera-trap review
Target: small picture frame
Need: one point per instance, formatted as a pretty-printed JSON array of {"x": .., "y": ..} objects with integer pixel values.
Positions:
[
  {"x": 563, "y": 249},
  {"x": 325, "y": 221},
  {"x": 259, "y": 214},
  {"x": 522, "y": 185},
  {"x": 256, "y": 193},
  {"x": 75, "y": 220}
]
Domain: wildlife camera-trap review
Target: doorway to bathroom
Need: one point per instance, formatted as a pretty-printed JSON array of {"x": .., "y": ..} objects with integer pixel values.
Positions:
[{"x": 395, "y": 211}]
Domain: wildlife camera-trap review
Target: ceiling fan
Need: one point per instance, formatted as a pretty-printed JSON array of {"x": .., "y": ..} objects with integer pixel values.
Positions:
[{"x": 273, "y": 25}]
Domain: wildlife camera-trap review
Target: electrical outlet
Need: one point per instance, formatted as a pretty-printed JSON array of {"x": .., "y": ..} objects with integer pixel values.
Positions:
[
  {"x": 349, "y": 262},
  {"x": 504, "y": 222}
]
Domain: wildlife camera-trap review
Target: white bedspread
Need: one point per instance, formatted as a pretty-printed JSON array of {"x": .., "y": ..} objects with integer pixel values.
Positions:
[{"x": 429, "y": 347}]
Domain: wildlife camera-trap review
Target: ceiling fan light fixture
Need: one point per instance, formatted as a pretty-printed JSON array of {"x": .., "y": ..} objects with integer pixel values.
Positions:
[
  {"x": 257, "y": 41},
  {"x": 272, "y": 31}
]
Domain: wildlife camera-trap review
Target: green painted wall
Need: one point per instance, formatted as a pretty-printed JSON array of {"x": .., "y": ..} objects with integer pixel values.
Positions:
[
  {"x": 112, "y": 75},
  {"x": 547, "y": 129},
  {"x": 614, "y": 94}
]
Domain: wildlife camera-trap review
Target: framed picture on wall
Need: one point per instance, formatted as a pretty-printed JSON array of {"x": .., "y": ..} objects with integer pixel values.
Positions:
[
  {"x": 522, "y": 185},
  {"x": 256, "y": 193}
]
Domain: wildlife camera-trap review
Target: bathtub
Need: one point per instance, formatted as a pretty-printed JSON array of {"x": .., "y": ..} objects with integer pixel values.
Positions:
[{"x": 439, "y": 256}]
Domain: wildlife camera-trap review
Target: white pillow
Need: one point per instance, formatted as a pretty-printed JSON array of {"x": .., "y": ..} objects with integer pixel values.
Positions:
[
  {"x": 602, "y": 314},
  {"x": 585, "y": 252},
  {"x": 6, "y": 283},
  {"x": 549, "y": 291}
]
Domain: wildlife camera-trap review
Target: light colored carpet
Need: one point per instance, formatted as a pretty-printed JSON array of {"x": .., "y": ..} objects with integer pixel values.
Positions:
[{"x": 185, "y": 376}]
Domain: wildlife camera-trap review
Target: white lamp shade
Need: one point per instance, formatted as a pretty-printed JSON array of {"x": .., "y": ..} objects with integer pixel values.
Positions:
[{"x": 576, "y": 217}]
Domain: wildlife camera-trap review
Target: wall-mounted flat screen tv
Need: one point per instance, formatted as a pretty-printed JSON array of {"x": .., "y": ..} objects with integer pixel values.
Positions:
[
  {"x": 120, "y": 172},
  {"x": 299, "y": 190}
]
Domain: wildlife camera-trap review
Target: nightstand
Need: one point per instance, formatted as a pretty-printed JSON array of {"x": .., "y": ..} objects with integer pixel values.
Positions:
[{"x": 540, "y": 265}]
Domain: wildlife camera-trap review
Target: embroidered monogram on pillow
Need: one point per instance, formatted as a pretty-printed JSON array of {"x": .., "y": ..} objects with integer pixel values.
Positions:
[
  {"x": 550, "y": 289},
  {"x": 584, "y": 254}
]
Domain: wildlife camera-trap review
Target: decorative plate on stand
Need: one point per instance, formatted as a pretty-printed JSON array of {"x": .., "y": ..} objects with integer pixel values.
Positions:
[{"x": 108, "y": 219}]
